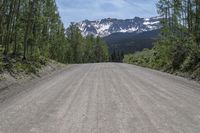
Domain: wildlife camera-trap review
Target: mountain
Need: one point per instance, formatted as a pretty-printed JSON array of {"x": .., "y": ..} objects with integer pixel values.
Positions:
[
  {"x": 131, "y": 42},
  {"x": 108, "y": 26}
]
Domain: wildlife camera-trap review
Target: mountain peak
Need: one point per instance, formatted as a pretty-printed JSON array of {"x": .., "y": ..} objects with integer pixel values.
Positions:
[{"x": 107, "y": 26}]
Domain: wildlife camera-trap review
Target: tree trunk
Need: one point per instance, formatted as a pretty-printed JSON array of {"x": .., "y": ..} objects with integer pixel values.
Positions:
[{"x": 28, "y": 24}]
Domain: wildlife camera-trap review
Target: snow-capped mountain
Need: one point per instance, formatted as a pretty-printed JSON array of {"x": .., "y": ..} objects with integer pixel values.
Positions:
[{"x": 109, "y": 26}]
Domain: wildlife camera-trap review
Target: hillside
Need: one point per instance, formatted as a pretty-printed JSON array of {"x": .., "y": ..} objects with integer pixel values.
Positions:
[{"x": 131, "y": 42}]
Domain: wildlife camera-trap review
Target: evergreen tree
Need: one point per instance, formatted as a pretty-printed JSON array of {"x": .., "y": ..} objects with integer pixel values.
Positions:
[
  {"x": 178, "y": 48},
  {"x": 31, "y": 30}
]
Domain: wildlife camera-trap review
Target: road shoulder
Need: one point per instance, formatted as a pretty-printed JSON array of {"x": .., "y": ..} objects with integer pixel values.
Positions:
[{"x": 11, "y": 87}]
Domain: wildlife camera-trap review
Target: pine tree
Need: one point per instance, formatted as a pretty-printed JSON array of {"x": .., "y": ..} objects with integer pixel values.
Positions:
[{"x": 31, "y": 30}]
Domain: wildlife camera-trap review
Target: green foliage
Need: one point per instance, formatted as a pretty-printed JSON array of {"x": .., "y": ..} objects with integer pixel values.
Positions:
[
  {"x": 171, "y": 57},
  {"x": 170, "y": 54},
  {"x": 192, "y": 61},
  {"x": 116, "y": 56},
  {"x": 144, "y": 58},
  {"x": 1, "y": 66},
  {"x": 42, "y": 60},
  {"x": 196, "y": 73},
  {"x": 29, "y": 29},
  {"x": 31, "y": 32},
  {"x": 85, "y": 50},
  {"x": 178, "y": 49}
]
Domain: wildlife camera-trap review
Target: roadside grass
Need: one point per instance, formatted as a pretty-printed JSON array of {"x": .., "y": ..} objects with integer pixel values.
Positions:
[
  {"x": 182, "y": 61},
  {"x": 17, "y": 67}
]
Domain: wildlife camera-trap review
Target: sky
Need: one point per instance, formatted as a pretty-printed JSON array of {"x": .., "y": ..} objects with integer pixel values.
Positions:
[{"x": 79, "y": 10}]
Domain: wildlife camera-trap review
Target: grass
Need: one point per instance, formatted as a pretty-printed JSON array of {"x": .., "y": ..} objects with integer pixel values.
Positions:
[{"x": 16, "y": 66}]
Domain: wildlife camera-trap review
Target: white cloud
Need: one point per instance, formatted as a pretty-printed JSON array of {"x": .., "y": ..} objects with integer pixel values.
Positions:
[{"x": 78, "y": 10}]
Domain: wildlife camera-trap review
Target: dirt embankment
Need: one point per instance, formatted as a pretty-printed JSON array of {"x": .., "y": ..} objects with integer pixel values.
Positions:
[{"x": 10, "y": 81}]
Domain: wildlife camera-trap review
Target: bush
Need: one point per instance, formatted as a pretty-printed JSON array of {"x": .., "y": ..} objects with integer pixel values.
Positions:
[
  {"x": 144, "y": 58},
  {"x": 192, "y": 60},
  {"x": 31, "y": 69},
  {"x": 27, "y": 67},
  {"x": 162, "y": 59},
  {"x": 43, "y": 60},
  {"x": 1, "y": 66},
  {"x": 17, "y": 67},
  {"x": 178, "y": 55},
  {"x": 196, "y": 73}
]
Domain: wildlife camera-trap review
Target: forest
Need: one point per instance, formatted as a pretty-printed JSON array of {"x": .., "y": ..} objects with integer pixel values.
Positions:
[
  {"x": 31, "y": 32},
  {"x": 178, "y": 48}
]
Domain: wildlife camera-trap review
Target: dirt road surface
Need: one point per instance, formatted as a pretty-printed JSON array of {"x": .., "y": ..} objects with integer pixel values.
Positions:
[{"x": 104, "y": 98}]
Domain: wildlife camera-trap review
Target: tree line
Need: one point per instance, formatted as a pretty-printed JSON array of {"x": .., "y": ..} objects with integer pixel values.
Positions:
[
  {"x": 32, "y": 29},
  {"x": 178, "y": 49},
  {"x": 74, "y": 48},
  {"x": 181, "y": 18},
  {"x": 116, "y": 56}
]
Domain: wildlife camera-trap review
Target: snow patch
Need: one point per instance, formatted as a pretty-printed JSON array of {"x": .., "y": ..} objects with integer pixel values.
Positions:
[
  {"x": 151, "y": 23},
  {"x": 103, "y": 28}
]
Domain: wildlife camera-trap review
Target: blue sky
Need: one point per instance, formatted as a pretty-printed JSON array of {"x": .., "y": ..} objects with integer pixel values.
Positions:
[{"x": 78, "y": 10}]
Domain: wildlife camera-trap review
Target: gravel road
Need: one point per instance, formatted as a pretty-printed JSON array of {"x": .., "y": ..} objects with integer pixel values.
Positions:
[{"x": 104, "y": 98}]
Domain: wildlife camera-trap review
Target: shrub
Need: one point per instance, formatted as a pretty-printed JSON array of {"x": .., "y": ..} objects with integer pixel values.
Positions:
[
  {"x": 43, "y": 60},
  {"x": 196, "y": 73},
  {"x": 17, "y": 67},
  {"x": 192, "y": 60},
  {"x": 1, "y": 66},
  {"x": 32, "y": 69},
  {"x": 178, "y": 55}
]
